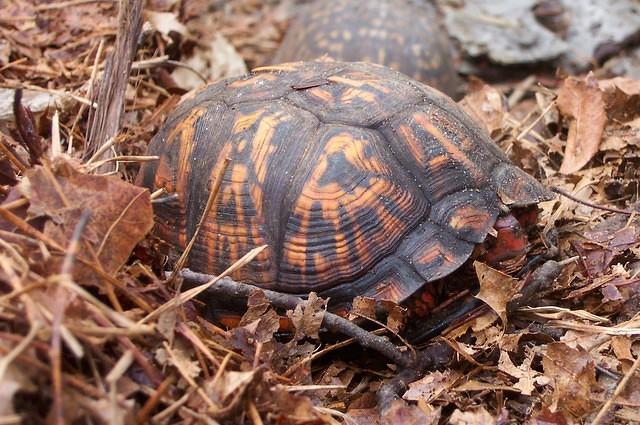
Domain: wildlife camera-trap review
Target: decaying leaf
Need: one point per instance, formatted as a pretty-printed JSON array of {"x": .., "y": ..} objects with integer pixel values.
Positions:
[
  {"x": 496, "y": 288},
  {"x": 363, "y": 306},
  {"x": 216, "y": 59},
  {"x": 396, "y": 315},
  {"x": 260, "y": 320},
  {"x": 308, "y": 315},
  {"x": 583, "y": 102},
  {"x": 364, "y": 416},
  {"x": 573, "y": 375},
  {"x": 121, "y": 214},
  {"x": 402, "y": 413},
  {"x": 622, "y": 348},
  {"x": 431, "y": 386},
  {"x": 525, "y": 375},
  {"x": 508, "y": 32},
  {"x": 229, "y": 383},
  {"x": 478, "y": 416}
]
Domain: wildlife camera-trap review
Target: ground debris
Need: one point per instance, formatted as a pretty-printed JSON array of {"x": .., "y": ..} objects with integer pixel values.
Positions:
[{"x": 92, "y": 331}]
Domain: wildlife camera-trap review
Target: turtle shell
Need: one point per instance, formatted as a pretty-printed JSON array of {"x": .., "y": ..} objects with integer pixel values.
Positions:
[
  {"x": 360, "y": 180},
  {"x": 402, "y": 34}
]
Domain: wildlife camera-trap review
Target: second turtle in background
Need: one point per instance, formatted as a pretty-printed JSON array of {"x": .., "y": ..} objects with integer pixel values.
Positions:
[{"x": 402, "y": 34}]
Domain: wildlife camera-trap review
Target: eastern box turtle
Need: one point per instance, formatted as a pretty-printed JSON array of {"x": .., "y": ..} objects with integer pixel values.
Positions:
[
  {"x": 361, "y": 181},
  {"x": 401, "y": 34}
]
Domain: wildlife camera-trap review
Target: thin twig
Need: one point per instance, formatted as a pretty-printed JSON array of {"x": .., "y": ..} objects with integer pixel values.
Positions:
[
  {"x": 332, "y": 321},
  {"x": 59, "y": 308},
  {"x": 621, "y": 386},
  {"x": 67, "y": 264},
  {"x": 185, "y": 375},
  {"x": 121, "y": 158},
  {"x": 589, "y": 204},
  {"x": 11, "y": 156},
  {"x": 536, "y": 121},
  {"x": 152, "y": 402},
  {"x": 192, "y": 293},
  {"x": 67, "y": 4},
  {"x": 6, "y": 360}
]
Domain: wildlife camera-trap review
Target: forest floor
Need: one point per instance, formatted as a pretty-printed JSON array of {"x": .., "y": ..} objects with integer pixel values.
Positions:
[{"x": 91, "y": 331}]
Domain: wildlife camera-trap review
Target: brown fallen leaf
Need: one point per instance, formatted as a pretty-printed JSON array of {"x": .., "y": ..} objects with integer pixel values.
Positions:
[
  {"x": 307, "y": 316},
  {"x": 363, "y": 306},
  {"x": 401, "y": 413},
  {"x": 486, "y": 105},
  {"x": 364, "y": 416},
  {"x": 573, "y": 375},
  {"x": 121, "y": 214},
  {"x": 260, "y": 320},
  {"x": 582, "y": 101},
  {"x": 621, "y": 346},
  {"x": 622, "y": 97},
  {"x": 431, "y": 386},
  {"x": 496, "y": 288},
  {"x": 526, "y": 376},
  {"x": 396, "y": 315},
  {"x": 545, "y": 417},
  {"x": 472, "y": 417}
]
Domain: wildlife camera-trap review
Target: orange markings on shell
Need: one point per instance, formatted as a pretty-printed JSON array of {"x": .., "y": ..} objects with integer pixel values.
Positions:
[
  {"x": 454, "y": 151},
  {"x": 469, "y": 217}
]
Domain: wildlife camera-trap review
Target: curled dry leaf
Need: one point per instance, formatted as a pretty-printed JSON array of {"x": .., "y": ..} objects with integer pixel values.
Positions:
[
  {"x": 486, "y": 105},
  {"x": 496, "y": 288},
  {"x": 308, "y": 315},
  {"x": 396, "y": 315},
  {"x": 166, "y": 22},
  {"x": 121, "y": 214},
  {"x": 621, "y": 346},
  {"x": 431, "y": 386},
  {"x": 260, "y": 320},
  {"x": 363, "y": 306},
  {"x": 583, "y": 102},
  {"x": 525, "y": 375},
  {"x": 622, "y": 98}
]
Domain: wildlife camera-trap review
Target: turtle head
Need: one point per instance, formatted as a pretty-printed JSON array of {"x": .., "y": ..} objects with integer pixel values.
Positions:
[{"x": 506, "y": 247}]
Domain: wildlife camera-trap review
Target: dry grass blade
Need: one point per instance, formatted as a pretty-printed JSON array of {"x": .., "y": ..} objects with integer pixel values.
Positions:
[
  {"x": 6, "y": 360},
  {"x": 113, "y": 315},
  {"x": 213, "y": 194},
  {"x": 61, "y": 303},
  {"x": 526, "y": 131},
  {"x": 553, "y": 312},
  {"x": 601, "y": 330},
  {"x": 194, "y": 292},
  {"x": 123, "y": 158}
]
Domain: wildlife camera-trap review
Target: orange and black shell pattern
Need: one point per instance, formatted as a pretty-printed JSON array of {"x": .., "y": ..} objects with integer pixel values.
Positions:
[
  {"x": 360, "y": 180},
  {"x": 402, "y": 34}
]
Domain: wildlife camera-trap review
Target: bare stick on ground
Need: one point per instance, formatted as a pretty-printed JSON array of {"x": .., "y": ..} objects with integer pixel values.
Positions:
[
  {"x": 332, "y": 321},
  {"x": 107, "y": 118}
]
